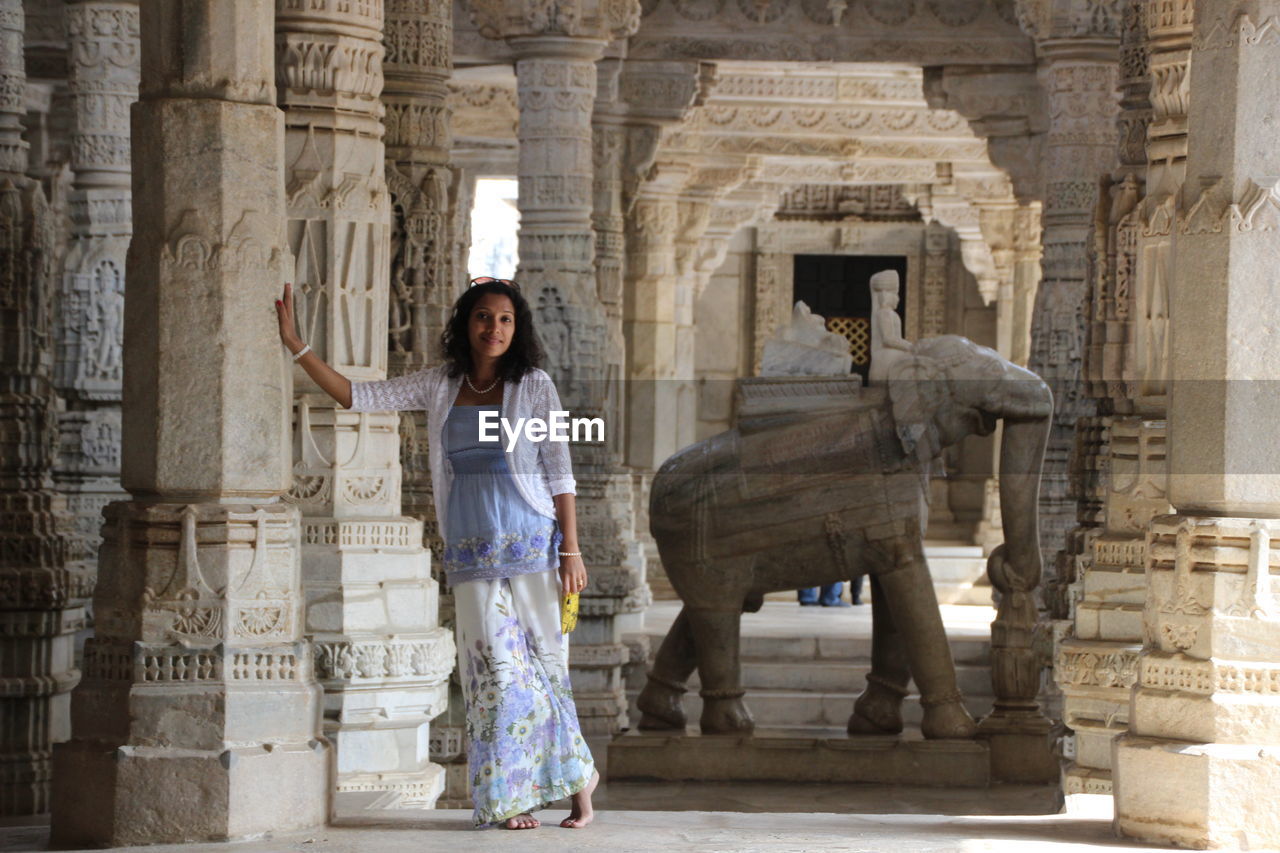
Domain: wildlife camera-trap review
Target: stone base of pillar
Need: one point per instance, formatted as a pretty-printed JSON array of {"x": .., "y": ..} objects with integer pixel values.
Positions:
[
  {"x": 38, "y": 658},
  {"x": 1198, "y": 795},
  {"x": 596, "y": 675},
  {"x": 381, "y": 731},
  {"x": 449, "y": 749},
  {"x": 384, "y": 664},
  {"x": 1078, "y": 781},
  {"x": 420, "y": 789},
  {"x": 1021, "y": 751},
  {"x": 1201, "y": 761},
  {"x": 198, "y": 716},
  {"x": 149, "y": 795}
]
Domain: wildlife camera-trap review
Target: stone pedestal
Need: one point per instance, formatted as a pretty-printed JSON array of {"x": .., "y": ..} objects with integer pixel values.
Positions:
[
  {"x": 1200, "y": 765},
  {"x": 833, "y": 759},
  {"x": 199, "y": 717}
]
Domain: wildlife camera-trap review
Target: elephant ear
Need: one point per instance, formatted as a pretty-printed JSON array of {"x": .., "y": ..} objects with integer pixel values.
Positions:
[{"x": 918, "y": 387}]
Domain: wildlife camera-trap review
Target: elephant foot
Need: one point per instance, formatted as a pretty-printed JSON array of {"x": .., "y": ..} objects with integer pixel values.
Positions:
[
  {"x": 946, "y": 717},
  {"x": 724, "y": 713},
  {"x": 878, "y": 710},
  {"x": 660, "y": 705}
]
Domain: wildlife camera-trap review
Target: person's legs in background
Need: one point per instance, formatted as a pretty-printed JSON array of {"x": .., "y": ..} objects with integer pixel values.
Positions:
[
  {"x": 831, "y": 595},
  {"x": 808, "y": 596},
  {"x": 855, "y": 589}
]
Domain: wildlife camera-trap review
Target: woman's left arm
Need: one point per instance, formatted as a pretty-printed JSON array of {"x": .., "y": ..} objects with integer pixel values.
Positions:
[
  {"x": 557, "y": 465},
  {"x": 573, "y": 572}
]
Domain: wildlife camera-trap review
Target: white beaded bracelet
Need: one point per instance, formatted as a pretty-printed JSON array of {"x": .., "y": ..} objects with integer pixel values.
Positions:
[
  {"x": 569, "y": 553},
  {"x": 300, "y": 353}
]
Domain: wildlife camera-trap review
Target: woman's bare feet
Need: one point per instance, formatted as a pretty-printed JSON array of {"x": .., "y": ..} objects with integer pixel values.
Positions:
[
  {"x": 522, "y": 821},
  {"x": 581, "y": 814}
]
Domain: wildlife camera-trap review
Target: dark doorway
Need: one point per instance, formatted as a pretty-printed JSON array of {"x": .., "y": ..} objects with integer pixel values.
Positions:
[{"x": 838, "y": 288}]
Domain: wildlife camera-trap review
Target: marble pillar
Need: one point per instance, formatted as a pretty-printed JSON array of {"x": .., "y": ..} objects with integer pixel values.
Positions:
[
  {"x": 103, "y": 68},
  {"x": 41, "y": 594},
  {"x": 428, "y": 200},
  {"x": 556, "y": 77},
  {"x": 1079, "y": 60},
  {"x": 1200, "y": 765},
  {"x": 199, "y": 715},
  {"x": 372, "y": 605},
  {"x": 1097, "y": 664}
]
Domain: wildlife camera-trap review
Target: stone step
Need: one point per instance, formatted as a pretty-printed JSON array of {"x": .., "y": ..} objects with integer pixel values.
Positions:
[
  {"x": 959, "y": 574},
  {"x": 798, "y": 708}
]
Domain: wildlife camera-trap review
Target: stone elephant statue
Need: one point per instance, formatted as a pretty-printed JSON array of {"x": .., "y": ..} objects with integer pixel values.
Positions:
[{"x": 796, "y": 500}]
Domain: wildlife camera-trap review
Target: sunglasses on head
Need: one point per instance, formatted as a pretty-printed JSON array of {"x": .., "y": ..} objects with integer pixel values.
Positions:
[{"x": 486, "y": 279}]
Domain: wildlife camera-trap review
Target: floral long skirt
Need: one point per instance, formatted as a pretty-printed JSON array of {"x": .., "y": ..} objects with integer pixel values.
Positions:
[{"x": 524, "y": 747}]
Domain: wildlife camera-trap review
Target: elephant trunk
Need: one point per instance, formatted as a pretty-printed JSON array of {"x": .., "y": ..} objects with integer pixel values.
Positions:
[
  {"x": 1015, "y": 569},
  {"x": 1021, "y": 460}
]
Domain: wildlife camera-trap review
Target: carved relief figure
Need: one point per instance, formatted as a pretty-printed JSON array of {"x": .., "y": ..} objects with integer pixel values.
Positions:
[
  {"x": 106, "y": 323},
  {"x": 791, "y": 501}
]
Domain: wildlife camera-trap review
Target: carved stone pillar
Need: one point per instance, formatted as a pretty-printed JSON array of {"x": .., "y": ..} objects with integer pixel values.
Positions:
[
  {"x": 428, "y": 201},
  {"x": 103, "y": 77},
  {"x": 1121, "y": 482},
  {"x": 418, "y": 63},
  {"x": 198, "y": 684},
  {"x": 556, "y": 53},
  {"x": 41, "y": 597},
  {"x": 1080, "y": 78},
  {"x": 650, "y": 315},
  {"x": 372, "y": 605},
  {"x": 1202, "y": 756}
]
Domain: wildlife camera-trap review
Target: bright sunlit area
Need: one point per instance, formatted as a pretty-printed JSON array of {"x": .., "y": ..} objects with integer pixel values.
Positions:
[{"x": 494, "y": 223}]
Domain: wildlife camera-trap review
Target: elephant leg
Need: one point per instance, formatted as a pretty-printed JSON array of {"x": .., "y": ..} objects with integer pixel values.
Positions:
[
  {"x": 879, "y": 708},
  {"x": 716, "y": 635},
  {"x": 660, "y": 701},
  {"x": 908, "y": 592}
]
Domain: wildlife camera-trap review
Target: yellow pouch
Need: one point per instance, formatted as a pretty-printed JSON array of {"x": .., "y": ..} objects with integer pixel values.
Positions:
[{"x": 568, "y": 612}]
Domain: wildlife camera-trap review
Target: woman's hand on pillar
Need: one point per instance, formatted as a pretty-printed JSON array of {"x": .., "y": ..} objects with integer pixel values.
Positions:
[
  {"x": 330, "y": 381},
  {"x": 288, "y": 329}
]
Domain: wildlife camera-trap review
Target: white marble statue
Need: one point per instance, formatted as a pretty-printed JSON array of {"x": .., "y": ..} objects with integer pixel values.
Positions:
[
  {"x": 888, "y": 346},
  {"x": 806, "y": 348}
]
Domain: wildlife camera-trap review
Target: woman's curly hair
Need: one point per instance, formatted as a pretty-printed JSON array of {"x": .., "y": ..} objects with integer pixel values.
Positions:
[{"x": 525, "y": 351}]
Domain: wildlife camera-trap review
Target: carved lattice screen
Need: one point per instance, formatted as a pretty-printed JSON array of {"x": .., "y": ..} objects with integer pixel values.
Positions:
[{"x": 857, "y": 330}]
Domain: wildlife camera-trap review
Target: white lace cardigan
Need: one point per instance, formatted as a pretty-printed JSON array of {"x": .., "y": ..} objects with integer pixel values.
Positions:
[{"x": 540, "y": 469}]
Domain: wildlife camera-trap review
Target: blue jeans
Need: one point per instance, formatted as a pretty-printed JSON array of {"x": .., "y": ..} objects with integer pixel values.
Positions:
[{"x": 830, "y": 593}]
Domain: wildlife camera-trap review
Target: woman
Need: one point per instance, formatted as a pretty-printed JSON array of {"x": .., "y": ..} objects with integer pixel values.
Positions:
[{"x": 509, "y": 524}]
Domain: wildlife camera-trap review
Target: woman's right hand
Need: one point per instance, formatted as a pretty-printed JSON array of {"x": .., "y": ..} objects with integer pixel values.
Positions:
[{"x": 284, "y": 315}]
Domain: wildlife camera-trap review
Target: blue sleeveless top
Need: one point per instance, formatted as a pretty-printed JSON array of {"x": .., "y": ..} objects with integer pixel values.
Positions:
[{"x": 491, "y": 531}]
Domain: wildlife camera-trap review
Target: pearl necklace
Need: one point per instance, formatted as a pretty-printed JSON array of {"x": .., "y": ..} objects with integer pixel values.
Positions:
[{"x": 467, "y": 377}]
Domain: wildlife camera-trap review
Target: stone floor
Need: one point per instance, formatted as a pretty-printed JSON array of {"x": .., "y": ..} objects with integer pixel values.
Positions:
[
  {"x": 718, "y": 816},
  {"x": 623, "y": 831}
]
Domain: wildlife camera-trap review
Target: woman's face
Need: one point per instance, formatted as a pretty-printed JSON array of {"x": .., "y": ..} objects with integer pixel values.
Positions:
[{"x": 492, "y": 326}]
